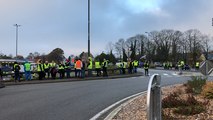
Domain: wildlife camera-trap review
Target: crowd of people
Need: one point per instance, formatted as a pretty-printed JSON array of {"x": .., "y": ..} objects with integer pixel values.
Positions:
[{"x": 47, "y": 70}]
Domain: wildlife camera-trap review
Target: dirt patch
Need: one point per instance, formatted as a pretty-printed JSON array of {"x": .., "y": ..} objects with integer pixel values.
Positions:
[{"x": 136, "y": 109}]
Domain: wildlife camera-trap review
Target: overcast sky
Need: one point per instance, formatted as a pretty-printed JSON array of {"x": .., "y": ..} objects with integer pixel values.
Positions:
[{"x": 48, "y": 24}]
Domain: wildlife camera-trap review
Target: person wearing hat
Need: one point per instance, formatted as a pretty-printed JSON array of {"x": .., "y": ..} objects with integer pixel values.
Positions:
[
  {"x": 47, "y": 69},
  {"x": 16, "y": 69},
  {"x": 40, "y": 69}
]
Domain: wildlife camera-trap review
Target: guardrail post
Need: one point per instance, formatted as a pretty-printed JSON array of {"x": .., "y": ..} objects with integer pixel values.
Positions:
[{"x": 154, "y": 98}]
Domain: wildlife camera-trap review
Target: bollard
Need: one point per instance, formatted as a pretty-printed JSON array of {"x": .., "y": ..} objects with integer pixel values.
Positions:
[{"x": 154, "y": 98}]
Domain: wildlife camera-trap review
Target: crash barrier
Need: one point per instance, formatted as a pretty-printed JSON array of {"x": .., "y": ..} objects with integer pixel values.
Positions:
[
  {"x": 114, "y": 71},
  {"x": 154, "y": 98}
]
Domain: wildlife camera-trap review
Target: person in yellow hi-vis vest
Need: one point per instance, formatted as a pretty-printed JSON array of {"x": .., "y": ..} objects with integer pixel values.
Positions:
[
  {"x": 53, "y": 69},
  {"x": 40, "y": 69},
  {"x": 135, "y": 65},
  {"x": 89, "y": 67},
  {"x": 146, "y": 68},
  {"x": 197, "y": 65},
  {"x": 98, "y": 68},
  {"x": 27, "y": 70},
  {"x": 47, "y": 69},
  {"x": 105, "y": 65}
]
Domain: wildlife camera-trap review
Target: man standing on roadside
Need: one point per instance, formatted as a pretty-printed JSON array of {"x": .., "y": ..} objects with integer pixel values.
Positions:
[
  {"x": 53, "y": 69},
  {"x": 98, "y": 68},
  {"x": 79, "y": 67},
  {"x": 1, "y": 83},
  {"x": 89, "y": 67},
  {"x": 47, "y": 69},
  {"x": 16, "y": 69},
  {"x": 105, "y": 65},
  {"x": 27, "y": 70},
  {"x": 61, "y": 70},
  {"x": 146, "y": 68},
  {"x": 67, "y": 69},
  {"x": 40, "y": 69}
]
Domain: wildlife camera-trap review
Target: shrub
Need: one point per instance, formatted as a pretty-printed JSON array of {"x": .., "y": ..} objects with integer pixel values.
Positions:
[
  {"x": 188, "y": 106},
  {"x": 195, "y": 85},
  {"x": 207, "y": 90},
  {"x": 172, "y": 100},
  {"x": 189, "y": 110}
]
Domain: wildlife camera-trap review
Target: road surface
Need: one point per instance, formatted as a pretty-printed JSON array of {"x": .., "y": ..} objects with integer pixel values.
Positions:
[{"x": 73, "y": 100}]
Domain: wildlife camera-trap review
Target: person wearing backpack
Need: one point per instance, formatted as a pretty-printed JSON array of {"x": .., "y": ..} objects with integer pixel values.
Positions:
[{"x": 16, "y": 69}]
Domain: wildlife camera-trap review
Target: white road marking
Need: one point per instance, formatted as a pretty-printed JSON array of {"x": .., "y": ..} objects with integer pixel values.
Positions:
[{"x": 165, "y": 74}]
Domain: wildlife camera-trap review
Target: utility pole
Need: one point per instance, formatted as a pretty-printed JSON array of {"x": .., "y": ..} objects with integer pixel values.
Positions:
[
  {"x": 16, "y": 25},
  {"x": 89, "y": 70},
  {"x": 88, "y": 28}
]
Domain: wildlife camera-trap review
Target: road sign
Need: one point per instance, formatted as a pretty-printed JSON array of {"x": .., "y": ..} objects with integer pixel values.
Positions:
[{"x": 206, "y": 67}]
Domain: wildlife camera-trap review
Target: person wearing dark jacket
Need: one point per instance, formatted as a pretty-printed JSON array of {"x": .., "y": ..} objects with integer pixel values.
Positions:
[
  {"x": 1, "y": 83},
  {"x": 16, "y": 69},
  {"x": 40, "y": 69}
]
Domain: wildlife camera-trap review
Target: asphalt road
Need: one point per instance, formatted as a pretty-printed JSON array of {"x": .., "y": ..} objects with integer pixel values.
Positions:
[{"x": 72, "y": 100}]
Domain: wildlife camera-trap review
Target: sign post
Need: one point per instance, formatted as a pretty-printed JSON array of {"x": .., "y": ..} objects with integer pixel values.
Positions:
[
  {"x": 154, "y": 98},
  {"x": 206, "y": 67}
]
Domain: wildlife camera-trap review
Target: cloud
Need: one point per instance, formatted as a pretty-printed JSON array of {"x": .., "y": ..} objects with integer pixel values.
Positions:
[{"x": 47, "y": 24}]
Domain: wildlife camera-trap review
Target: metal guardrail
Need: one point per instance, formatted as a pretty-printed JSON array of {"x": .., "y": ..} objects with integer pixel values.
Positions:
[{"x": 154, "y": 98}]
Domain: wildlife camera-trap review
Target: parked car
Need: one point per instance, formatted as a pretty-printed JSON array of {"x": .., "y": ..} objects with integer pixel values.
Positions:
[
  {"x": 158, "y": 64},
  {"x": 6, "y": 69}
]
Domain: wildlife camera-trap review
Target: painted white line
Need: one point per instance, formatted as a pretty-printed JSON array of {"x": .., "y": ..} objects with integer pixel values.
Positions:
[
  {"x": 174, "y": 74},
  {"x": 113, "y": 105},
  {"x": 165, "y": 74}
]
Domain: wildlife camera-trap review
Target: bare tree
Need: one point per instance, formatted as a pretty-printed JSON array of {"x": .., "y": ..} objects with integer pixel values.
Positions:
[
  {"x": 119, "y": 46},
  {"x": 163, "y": 44},
  {"x": 176, "y": 41},
  {"x": 140, "y": 46},
  {"x": 193, "y": 38},
  {"x": 110, "y": 47},
  {"x": 206, "y": 41}
]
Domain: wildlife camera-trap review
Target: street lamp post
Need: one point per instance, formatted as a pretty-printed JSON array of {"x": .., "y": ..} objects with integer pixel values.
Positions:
[
  {"x": 16, "y": 25},
  {"x": 88, "y": 28},
  {"x": 89, "y": 70}
]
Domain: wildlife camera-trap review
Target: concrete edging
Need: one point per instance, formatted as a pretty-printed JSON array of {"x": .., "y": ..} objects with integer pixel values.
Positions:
[
  {"x": 131, "y": 98},
  {"x": 117, "y": 109}
]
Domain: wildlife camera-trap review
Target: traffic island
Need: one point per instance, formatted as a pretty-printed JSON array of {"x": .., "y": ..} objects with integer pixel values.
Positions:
[{"x": 136, "y": 108}]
